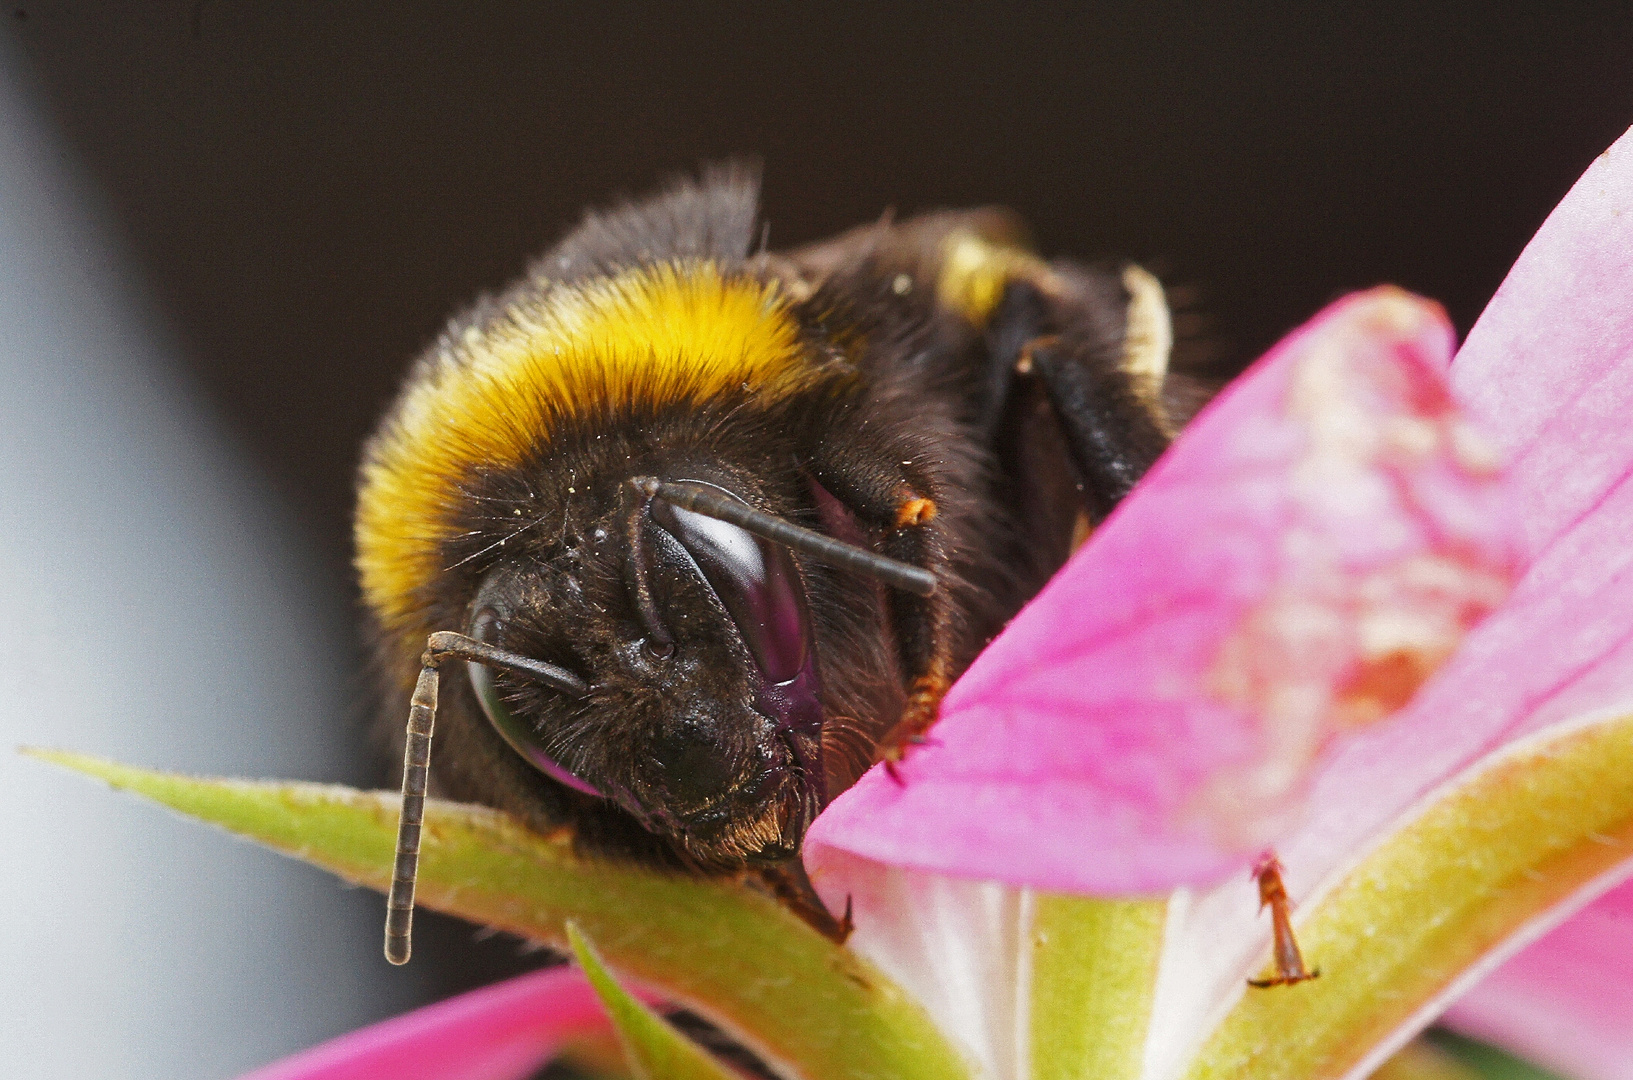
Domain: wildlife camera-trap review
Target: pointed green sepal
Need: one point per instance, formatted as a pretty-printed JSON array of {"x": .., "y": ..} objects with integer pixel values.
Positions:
[
  {"x": 652, "y": 1046},
  {"x": 727, "y": 950}
]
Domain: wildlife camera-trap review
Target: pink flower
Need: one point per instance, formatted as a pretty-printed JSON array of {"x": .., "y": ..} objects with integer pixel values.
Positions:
[
  {"x": 502, "y": 1032},
  {"x": 1185, "y": 693},
  {"x": 1373, "y": 613},
  {"x": 1312, "y": 547},
  {"x": 1565, "y": 1001}
]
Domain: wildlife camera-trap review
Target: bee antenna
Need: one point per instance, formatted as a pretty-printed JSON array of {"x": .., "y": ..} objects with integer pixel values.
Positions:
[
  {"x": 705, "y": 500},
  {"x": 422, "y": 717},
  {"x": 405, "y": 868},
  {"x": 658, "y": 636}
]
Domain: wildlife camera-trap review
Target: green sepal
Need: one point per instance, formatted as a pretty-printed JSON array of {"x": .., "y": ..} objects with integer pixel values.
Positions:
[
  {"x": 652, "y": 1047},
  {"x": 1420, "y": 1060},
  {"x": 1484, "y": 1061},
  {"x": 726, "y": 950}
]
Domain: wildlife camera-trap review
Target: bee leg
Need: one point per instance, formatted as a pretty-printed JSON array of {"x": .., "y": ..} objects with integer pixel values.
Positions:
[
  {"x": 1097, "y": 343},
  {"x": 1289, "y": 961},
  {"x": 901, "y": 506},
  {"x": 1111, "y": 436},
  {"x": 925, "y": 633},
  {"x": 922, "y": 711},
  {"x": 788, "y": 882}
]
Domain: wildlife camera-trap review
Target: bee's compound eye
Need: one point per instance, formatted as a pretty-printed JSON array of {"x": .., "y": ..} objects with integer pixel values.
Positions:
[
  {"x": 485, "y": 628},
  {"x": 523, "y": 739},
  {"x": 756, "y": 582}
]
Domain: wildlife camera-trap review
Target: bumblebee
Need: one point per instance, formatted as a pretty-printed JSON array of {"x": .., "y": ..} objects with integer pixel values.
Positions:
[{"x": 674, "y": 538}]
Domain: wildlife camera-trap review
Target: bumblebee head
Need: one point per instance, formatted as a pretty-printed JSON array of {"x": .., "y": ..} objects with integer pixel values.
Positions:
[
  {"x": 700, "y": 714},
  {"x": 650, "y": 644}
]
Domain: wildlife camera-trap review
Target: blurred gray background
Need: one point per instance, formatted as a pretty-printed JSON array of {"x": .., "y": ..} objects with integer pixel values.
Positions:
[
  {"x": 162, "y": 606},
  {"x": 225, "y": 227}
]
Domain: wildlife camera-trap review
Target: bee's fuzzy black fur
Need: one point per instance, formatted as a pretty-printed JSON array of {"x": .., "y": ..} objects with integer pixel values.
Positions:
[{"x": 911, "y": 395}]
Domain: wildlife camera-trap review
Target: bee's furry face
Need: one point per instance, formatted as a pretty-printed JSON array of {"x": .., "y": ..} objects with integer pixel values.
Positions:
[{"x": 703, "y": 718}]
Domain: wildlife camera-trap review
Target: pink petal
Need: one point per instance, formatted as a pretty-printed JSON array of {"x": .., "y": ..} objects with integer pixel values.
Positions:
[
  {"x": 501, "y": 1032},
  {"x": 1550, "y": 368},
  {"x": 1314, "y": 544},
  {"x": 1567, "y": 1001},
  {"x": 1546, "y": 366},
  {"x": 1559, "y": 651}
]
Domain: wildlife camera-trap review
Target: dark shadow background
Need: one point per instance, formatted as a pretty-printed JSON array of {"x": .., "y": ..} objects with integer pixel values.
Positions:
[{"x": 312, "y": 189}]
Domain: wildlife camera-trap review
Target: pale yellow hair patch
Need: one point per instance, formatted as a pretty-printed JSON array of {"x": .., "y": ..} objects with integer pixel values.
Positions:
[{"x": 975, "y": 270}]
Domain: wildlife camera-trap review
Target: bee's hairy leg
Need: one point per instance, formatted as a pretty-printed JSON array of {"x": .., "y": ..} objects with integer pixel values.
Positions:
[
  {"x": 1097, "y": 343},
  {"x": 922, "y": 710},
  {"x": 900, "y": 506}
]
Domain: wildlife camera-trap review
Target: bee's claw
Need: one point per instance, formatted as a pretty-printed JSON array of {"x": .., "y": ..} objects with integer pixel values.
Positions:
[{"x": 1284, "y": 980}]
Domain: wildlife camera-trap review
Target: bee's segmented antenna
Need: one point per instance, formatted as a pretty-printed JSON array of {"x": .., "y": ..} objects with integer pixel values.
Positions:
[
  {"x": 702, "y": 499},
  {"x": 422, "y": 718}
]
